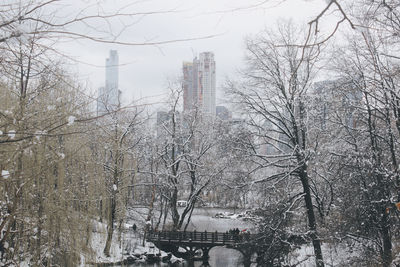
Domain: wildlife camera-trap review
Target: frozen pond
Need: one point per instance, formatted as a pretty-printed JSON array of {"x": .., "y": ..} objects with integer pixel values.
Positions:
[{"x": 203, "y": 219}]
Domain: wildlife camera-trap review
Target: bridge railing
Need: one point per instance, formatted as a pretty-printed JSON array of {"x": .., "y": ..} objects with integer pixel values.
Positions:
[{"x": 205, "y": 237}]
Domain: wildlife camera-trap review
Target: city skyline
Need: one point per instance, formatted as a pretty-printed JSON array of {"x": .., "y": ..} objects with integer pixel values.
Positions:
[{"x": 145, "y": 70}]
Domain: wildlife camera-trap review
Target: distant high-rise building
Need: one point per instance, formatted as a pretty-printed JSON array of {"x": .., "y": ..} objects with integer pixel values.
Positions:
[
  {"x": 162, "y": 118},
  {"x": 339, "y": 96},
  {"x": 189, "y": 93},
  {"x": 199, "y": 83},
  {"x": 108, "y": 98},
  {"x": 223, "y": 113}
]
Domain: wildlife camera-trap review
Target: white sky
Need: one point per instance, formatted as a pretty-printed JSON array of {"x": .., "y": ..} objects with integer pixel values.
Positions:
[{"x": 145, "y": 69}]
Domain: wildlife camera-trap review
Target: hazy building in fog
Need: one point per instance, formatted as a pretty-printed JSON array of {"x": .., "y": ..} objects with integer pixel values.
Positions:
[
  {"x": 335, "y": 98},
  {"x": 189, "y": 92},
  {"x": 223, "y": 113},
  {"x": 199, "y": 84},
  {"x": 108, "y": 98},
  {"x": 163, "y": 119}
]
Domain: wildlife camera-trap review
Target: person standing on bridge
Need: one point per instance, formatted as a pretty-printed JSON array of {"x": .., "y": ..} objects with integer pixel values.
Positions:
[
  {"x": 236, "y": 234},
  {"x": 247, "y": 235}
]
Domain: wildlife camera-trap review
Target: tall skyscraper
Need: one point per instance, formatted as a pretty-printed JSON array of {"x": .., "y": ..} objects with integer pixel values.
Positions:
[
  {"x": 108, "y": 99},
  {"x": 188, "y": 87},
  {"x": 199, "y": 83}
]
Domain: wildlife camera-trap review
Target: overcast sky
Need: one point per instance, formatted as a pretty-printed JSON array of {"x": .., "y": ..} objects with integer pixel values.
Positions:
[{"x": 144, "y": 70}]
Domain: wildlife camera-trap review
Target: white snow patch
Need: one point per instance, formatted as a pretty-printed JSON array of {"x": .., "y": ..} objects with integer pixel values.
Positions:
[
  {"x": 129, "y": 244},
  {"x": 24, "y": 263},
  {"x": 38, "y": 134},
  {"x": 71, "y": 120},
  {"x": 5, "y": 174},
  {"x": 127, "y": 226},
  {"x": 1, "y": 132},
  {"x": 11, "y": 134},
  {"x": 334, "y": 255},
  {"x": 115, "y": 187}
]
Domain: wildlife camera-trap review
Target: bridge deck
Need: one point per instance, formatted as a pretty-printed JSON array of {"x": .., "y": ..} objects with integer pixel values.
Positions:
[{"x": 204, "y": 238}]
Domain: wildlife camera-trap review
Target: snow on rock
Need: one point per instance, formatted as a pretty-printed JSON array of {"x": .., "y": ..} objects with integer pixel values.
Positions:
[
  {"x": 230, "y": 215},
  {"x": 71, "y": 120},
  {"x": 5, "y": 174},
  {"x": 115, "y": 187},
  {"x": 1, "y": 132}
]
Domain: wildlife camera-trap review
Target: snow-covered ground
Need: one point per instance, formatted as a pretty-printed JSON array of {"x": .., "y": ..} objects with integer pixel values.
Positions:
[
  {"x": 337, "y": 255},
  {"x": 126, "y": 244},
  {"x": 334, "y": 255}
]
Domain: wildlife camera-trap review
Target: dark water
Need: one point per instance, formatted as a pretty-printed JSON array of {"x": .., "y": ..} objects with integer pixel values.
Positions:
[{"x": 220, "y": 256}]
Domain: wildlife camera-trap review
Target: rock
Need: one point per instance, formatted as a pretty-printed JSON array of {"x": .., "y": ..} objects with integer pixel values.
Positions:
[
  {"x": 130, "y": 259},
  {"x": 167, "y": 258},
  {"x": 175, "y": 261},
  {"x": 152, "y": 258}
]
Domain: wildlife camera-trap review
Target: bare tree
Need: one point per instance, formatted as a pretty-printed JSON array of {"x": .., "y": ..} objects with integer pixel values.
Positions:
[
  {"x": 274, "y": 95},
  {"x": 187, "y": 142},
  {"x": 372, "y": 139},
  {"x": 114, "y": 146}
]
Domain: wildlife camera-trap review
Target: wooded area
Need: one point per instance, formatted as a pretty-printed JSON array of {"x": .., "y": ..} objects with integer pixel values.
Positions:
[{"x": 316, "y": 148}]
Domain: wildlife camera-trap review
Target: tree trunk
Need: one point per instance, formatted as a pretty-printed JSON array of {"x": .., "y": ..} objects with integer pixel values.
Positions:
[
  {"x": 150, "y": 213},
  {"x": 386, "y": 239},
  {"x": 174, "y": 209},
  {"x": 189, "y": 218},
  {"x": 165, "y": 214},
  {"x": 110, "y": 226},
  {"x": 311, "y": 217},
  {"x": 161, "y": 213}
]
